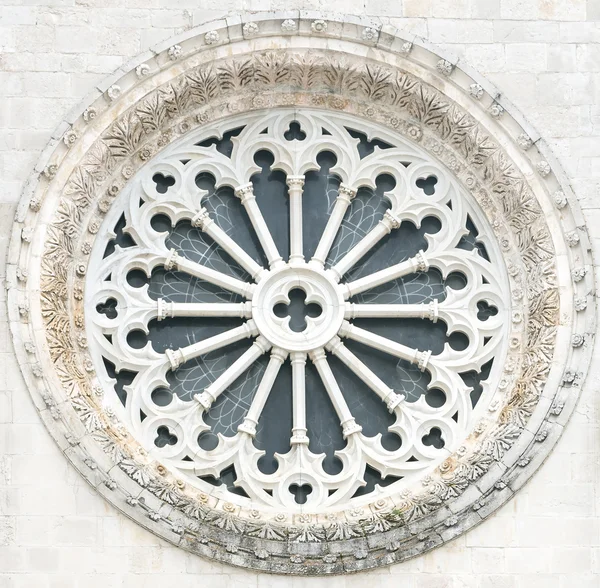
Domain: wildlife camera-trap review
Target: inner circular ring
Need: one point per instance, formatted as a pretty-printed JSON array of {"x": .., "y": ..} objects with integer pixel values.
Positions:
[{"x": 274, "y": 289}]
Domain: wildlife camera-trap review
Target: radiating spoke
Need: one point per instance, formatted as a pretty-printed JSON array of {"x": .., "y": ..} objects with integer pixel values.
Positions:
[
  {"x": 295, "y": 185},
  {"x": 167, "y": 309},
  {"x": 418, "y": 263},
  {"x": 383, "y": 228},
  {"x": 391, "y": 399},
  {"x": 234, "y": 371},
  {"x": 386, "y": 345},
  {"x": 246, "y": 195},
  {"x": 203, "y": 221},
  {"x": 349, "y": 425},
  {"x": 425, "y": 311},
  {"x": 299, "y": 399},
  {"x": 179, "y": 356},
  {"x": 342, "y": 202},
  {"x": 262, "y": 392},
  {"x": 175, "y": 261}
]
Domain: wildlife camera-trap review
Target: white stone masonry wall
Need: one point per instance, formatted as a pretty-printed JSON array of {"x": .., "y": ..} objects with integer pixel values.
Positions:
[{"x": 56, "y": 532}]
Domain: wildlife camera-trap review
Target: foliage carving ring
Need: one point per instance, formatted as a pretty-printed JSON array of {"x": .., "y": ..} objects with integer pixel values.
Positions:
[{"x": 405, "y": 97}]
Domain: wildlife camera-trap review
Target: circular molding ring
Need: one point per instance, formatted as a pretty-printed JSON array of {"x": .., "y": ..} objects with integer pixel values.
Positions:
[{"x": 342, "y": 64}]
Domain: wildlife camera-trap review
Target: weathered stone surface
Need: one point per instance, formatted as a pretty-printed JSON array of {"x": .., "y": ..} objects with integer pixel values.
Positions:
[{"x": 565, "y": 484}]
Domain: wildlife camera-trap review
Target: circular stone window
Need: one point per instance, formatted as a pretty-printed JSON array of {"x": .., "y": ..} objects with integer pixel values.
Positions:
[
  {"x": 297, "y": 308},
  {"x": 307, "y": 307}
]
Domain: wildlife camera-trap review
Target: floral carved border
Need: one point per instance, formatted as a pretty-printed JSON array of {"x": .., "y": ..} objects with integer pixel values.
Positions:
[{"x": 227, "y": 67}]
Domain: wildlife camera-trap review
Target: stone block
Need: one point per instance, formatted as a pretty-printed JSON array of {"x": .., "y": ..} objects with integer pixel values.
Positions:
[
  {"x": 526, "y": 57},
  {"x": 454, "y": 9},
  {"x": 561, "y": 57},
  {"x": 484, "y": 559},
  {"x": 592, "y": 10},
  {"x": 443, "y": 30},
  {"x": 577, "y": 560},
  {"x": 417, "y": 8}
]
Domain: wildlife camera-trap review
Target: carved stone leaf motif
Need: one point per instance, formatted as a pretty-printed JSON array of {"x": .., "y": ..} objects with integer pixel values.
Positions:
[
  {"x": 99, "y": 161},
  {"x": 341, "y": 76},
  {"x": 501, "y": 441},
  {"x": 59, "y": 343},
  {"x": 515, "y": 413},
  {"x": 167, "y": 492},
  {"x": 272, "y": 68},
  {"x": 111, "y": 446},
  {"x": 415, "y": 507},
  {"x": 67, "y": 227},
  {"x": 267, "y": 531},
  {"x": 500, "y": 174},
  {"x": 203, "y": 85},
  {"x": 534, "y": 245},
  {"x": 477, "y": 147},
  {"x": 427, "y": 107},
  {"x": 226, "y": 522},
  {"x": 193, "y": 509},
  {"x": 307, "y": 72},
  {"x": 538, "y": 357},
  {"x": 87, "y": 414},
  {"x": 140, "y": 474},
  {"x": 178, "y": 97},
  {"x": 542, "y": 310},
  {"x": 152, "y": 112},
  {"x": 307, "y": 534},
  {"x": 235, "y": 75},
  {"x": 81, "y": 188},
  {"x": 341, "y": 530},
  {"x": 381, "y": 522},
  {"x": 124, "y": 136},
  {"x": 476, "y": 467},
  {"x": 402, "y": 90},
  {"x": 520, "y": 207},
  {"x": 448, "y": 489},
  {"x": 374, "y": 84},
  {"x": 455, "y": 127}
]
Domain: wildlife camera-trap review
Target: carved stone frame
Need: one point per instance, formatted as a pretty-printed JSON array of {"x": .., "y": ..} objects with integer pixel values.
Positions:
[{"x": 344, "y": 64}]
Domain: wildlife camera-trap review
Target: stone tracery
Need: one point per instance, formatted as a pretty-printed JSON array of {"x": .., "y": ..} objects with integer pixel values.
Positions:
[{"x": 330, "y": 287}]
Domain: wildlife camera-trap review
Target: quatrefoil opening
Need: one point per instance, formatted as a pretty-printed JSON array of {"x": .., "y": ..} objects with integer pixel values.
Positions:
[{"x": 297, "y": 310}]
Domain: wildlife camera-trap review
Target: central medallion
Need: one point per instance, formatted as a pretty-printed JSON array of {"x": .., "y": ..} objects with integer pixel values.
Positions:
[{"x": 275, "y": 292}]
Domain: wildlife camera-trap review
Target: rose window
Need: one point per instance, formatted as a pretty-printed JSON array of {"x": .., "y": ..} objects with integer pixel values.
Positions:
[
  {"x": 298, "y": 309},
  {"x": 301, "y": 295}
]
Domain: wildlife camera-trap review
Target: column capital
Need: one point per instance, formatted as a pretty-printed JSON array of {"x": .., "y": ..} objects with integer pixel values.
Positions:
[
  {"x": 202, "y": 219},
  {"x": 245, "y": 191},
  {"x": 175, "y": 357},
  {"x": 350, "y": 427},
  {"x": 299, "y": 437},
  {"x": 391, "y": 220},
  {"x": 205, "y": 399},
  {"x": 279, "y": 354},
  {"x": 317, "y": 355},
  {"x": 164, "y": 309},
  {"x": 346, "y": 193},
  {"x": 334, "y": 345},
  {"x": 422, "y": 263},
  {"x": 295, "y": 181},
  {"x": 423, "y": 359},
  {"x": 171, "y": 260},
  {"x": 248, "y": 427}
]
